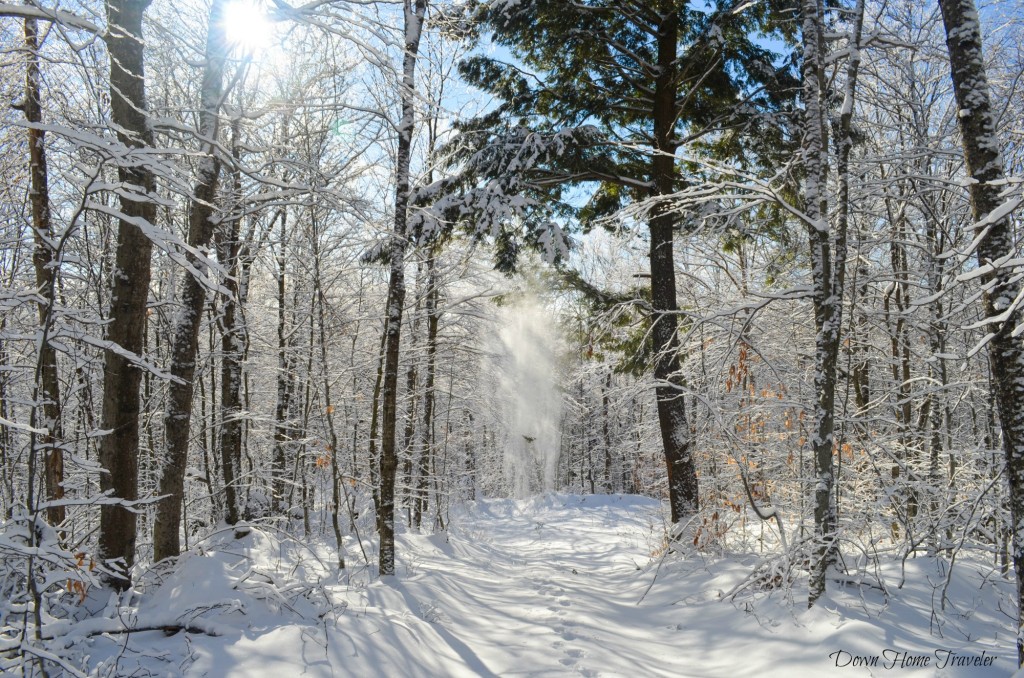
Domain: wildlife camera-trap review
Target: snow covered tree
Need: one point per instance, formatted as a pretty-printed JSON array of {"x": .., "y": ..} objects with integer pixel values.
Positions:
[
  {"x": 414, "y": 12},
  {"x": 994, "y": 247},
  {"x": 129, "y": 283},
  {"x": 185, "y": 342},
  {"x": 608, "y": 93},
  {"x": 44, "y": 259},
  {"x": 828, "y": 243}
]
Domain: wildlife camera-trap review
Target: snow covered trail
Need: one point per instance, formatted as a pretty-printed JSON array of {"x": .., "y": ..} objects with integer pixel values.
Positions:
[
  {"x": 552, "y": 586},
  {"x": 555, "y": 586}
]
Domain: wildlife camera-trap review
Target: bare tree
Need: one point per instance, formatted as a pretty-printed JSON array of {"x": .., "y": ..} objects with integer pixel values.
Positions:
[
  {"x": 129, "y": 285},
  {"x": 994, "y": 235},
  {"x": 414, "y": 12},
  {"x": 44, "y": 259},
  {"x": 185, "y": 342},
  {"x": 231, "y": 254},
  {"x": 828, "y": 263}
]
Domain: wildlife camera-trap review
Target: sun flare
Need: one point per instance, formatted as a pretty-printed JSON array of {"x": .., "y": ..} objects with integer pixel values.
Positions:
[{"x": 247, "y": 27}]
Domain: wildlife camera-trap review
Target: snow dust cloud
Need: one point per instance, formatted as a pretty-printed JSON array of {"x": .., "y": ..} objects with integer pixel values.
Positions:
[{"x": 531, "y": 406}]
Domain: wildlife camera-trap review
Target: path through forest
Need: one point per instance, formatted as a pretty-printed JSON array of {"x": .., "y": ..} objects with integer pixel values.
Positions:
[{"x": 551, "y": 586}]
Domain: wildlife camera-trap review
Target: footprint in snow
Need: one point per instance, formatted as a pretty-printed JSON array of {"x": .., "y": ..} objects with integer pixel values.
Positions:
[
  {"x": 572, "y": 657},
  {"x": 567, "y": 634}
]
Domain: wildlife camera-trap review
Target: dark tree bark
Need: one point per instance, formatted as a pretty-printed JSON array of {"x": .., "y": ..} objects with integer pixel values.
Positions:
[
  {"x": 233, "y": 337},
  {"x": 415, "y": 11},
  {"x": 426, "y": 438},
  {"x": 815, "y": 150},
  {"x": 282, "y": 432},
  {"x": 44, "y": 258},
  {"x": 828, "y": 265},
  {"x": 375, "y": 425},
  {"x": 185, "y": 343},
  {"x": 231, "y": 383},
  {"x": 606, "y": 437},
  {"x": 119, "y": 449},
  {"x": 984, "y": 165},
  {"x": 859, "y": 342},
  {"x": 412, "y": 406},
  {"x": 675, "y": 430}
]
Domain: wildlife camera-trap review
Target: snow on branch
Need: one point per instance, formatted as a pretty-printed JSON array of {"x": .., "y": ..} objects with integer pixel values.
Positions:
[
  {"x": 60, "y": 16},
  {"x": 507, "y": 187}
]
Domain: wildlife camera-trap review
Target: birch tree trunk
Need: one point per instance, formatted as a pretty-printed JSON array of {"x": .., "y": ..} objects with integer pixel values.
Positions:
[
  {"x": 984, "y": 165},
  {"x": 185, "y": 343},
  {"x": 119, "y": 449},
  {"x": 414, "y": 11}
]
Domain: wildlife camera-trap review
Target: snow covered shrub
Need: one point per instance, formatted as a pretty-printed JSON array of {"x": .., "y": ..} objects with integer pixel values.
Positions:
[
  {"x": 42, "y": 585},
  {"x": 711, "y": 531}
]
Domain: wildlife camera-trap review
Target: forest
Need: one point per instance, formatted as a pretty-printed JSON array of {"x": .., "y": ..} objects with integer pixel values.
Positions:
[{"x": 383, "y": 337}]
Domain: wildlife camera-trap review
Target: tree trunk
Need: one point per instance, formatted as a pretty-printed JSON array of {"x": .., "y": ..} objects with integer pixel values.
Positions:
[
  {"x": 860, "y": 346},
  {"x": 44, "y": 258},
  {"x": 606, "y": 434},
  {"x": 828, "y": 266},
  {"x": 321, "y": 304},
  {"x": 815, "y": 150},
  {"x": 118, "y": 453},
  {"x": 412, "y": 399},
  {"x": 375, "y": 425},
  {"x": 984, "y": 165},
  {"x": 6, "y": 460},
  {"x": 185, "y": 343},
  {"x": 427, "y": 432},
  {"x": 281, "y": 430},
  {"x": 230, "y": 395},
  {"x": 232, "y": 343},
  {"x": 675, "y": 430},
  {"x": 414, "y": 16}
]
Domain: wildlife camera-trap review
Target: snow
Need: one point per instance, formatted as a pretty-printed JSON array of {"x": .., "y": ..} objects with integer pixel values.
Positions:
[{"x": 547, "y": 586}]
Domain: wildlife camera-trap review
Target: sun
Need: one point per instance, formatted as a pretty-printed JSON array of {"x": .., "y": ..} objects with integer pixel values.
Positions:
[{"x": 246, "y": 26}]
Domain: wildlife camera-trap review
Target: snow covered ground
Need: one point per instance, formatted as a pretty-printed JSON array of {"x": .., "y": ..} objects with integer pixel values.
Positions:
[{"x": 551, "y": 586}]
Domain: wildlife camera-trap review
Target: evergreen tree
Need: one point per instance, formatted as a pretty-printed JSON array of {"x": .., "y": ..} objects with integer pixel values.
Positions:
[{"x": 604, "y": 95}]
